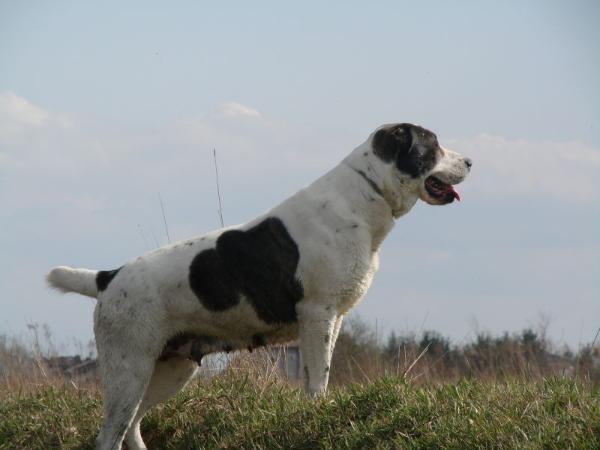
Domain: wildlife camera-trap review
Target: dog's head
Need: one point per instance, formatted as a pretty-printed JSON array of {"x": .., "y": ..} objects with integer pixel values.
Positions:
[{"x": 418, "y": 164}]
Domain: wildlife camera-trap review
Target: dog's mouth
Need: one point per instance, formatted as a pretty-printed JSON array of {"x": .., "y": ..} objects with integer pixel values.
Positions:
[{"x": 440, "y": 190}]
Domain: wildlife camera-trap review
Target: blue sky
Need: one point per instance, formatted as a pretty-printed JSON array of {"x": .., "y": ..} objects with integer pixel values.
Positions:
[{"x": 105, "y": 105}]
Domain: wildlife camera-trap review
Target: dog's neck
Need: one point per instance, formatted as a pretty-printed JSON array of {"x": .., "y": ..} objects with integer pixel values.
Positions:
[
  {"x": 362, "y": 179},
  {"x": 381, "y": 180}
]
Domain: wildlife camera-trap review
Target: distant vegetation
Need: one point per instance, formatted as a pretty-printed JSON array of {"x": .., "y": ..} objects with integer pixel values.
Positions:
[
  {"x": 416, "y": 391},
  {"x": 362, "y": 355}
]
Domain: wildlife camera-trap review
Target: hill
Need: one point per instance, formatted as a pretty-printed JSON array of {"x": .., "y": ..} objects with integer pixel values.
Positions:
[{"x": 239, "y": 411}]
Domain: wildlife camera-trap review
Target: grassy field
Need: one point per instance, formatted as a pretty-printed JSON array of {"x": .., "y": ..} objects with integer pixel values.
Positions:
[{"x": 239, "y": 412}]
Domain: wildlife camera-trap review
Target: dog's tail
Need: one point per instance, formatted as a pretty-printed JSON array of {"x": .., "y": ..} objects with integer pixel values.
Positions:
[{"x": 67, "y": 279}]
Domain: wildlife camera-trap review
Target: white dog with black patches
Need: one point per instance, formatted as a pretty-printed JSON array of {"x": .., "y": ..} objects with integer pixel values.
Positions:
[{"x": 291, "y": 273}]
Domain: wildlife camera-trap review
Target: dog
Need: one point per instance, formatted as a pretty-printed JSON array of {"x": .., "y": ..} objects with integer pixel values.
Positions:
[{"x": 292, "y": 273}]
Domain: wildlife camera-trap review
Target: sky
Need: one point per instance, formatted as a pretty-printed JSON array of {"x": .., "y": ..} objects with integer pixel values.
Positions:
[{"x": 108, "y": 107}]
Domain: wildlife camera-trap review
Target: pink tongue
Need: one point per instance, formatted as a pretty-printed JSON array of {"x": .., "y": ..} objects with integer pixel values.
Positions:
[{"x": 451, "y": 189}]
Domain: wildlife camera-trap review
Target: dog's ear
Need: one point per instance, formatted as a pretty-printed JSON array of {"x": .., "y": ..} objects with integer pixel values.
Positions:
[{"x": 392, "y": 141}]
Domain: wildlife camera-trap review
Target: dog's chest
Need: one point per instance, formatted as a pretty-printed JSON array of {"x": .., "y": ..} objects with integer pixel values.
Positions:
[
  {"x": 340, "y": 277},
  {"x": 359, "y": 279}
]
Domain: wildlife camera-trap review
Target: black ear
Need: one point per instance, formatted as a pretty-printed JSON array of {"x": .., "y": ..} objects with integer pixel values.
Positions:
[{"x": 390, "y": 142}]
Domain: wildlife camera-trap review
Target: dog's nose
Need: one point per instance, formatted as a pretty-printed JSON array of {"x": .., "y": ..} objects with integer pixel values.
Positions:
[{"x": 468, "y": 163}]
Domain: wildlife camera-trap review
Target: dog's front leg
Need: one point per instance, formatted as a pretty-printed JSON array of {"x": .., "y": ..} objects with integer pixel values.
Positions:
[
  {"x": 316, "y": 328},
  {"x": 336, "y": 331}
]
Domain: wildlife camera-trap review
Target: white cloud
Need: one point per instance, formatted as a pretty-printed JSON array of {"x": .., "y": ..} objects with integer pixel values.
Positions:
[
  {"x": 52, "y": 158},
  {"x": 75, "y": 175},
  {"x": 230, "y": 110},
  {"x": 18, "y": 115},
  {"x": 19, "y": 111},
  {"x": 566, "y": 171}
]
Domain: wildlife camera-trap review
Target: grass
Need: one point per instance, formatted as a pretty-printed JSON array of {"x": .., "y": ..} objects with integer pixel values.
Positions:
[
  {"x": 239, "y": 411},
  {"x": 502, "y": 393}
]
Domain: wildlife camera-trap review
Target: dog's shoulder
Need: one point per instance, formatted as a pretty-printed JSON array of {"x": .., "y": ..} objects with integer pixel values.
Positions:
[{"x": 334, "y": 242}]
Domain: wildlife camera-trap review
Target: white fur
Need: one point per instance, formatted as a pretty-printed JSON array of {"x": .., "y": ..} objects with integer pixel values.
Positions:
[
  {"x": 338, "y": 224},
  {"x": 66, "y": 279}
]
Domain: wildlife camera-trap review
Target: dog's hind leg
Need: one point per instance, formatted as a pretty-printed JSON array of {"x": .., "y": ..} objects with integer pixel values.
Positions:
[
  {"x": 168, "y": 378},
  {"x": 127, "y": 351},
  {"x": 124, "y": 381}
]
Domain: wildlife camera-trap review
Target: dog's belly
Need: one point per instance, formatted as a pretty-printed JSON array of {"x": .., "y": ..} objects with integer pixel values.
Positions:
[
  {"x": 197, "y": 331},
  {"x": 205, "y": 340}
]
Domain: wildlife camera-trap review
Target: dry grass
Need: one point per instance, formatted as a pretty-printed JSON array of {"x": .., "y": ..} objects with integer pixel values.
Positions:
[
  {"x": 427, "y": 358},
  {"x": 23, "y": 370}
]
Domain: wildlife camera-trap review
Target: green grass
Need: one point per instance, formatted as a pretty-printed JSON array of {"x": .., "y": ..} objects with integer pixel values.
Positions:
[{"x": 234, "y": 412}]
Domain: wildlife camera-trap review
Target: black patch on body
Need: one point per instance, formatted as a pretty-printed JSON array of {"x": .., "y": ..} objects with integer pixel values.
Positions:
[
  {"x": 413, "y": 149},
  {"x": 259, "y": 263},
  {"x": 104, "y": 277}
]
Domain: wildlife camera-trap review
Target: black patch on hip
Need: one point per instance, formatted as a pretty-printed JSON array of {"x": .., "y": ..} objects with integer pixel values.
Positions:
[
  {"x": 104, "y": 277},
  {"x": 414, "y": 149},
  {"x": 259, "y": 263}
]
